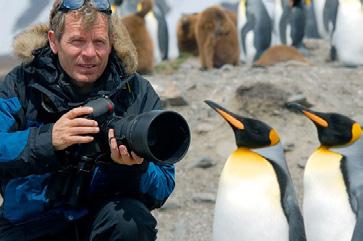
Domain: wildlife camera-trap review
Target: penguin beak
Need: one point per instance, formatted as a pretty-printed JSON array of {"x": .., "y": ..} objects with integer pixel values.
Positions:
[
  {"x": 229, "y": 117},
  {"x": 313, "y": 116}
]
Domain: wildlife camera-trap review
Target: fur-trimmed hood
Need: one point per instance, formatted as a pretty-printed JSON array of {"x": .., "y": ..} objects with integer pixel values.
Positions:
[{"x": 37, "y": 36}]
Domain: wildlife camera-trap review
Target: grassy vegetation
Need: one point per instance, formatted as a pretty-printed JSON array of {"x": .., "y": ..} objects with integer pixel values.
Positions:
[{"x": 169, "y": 67}]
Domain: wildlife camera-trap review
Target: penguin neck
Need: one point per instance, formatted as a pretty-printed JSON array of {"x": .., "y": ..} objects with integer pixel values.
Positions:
[
  {"x": 273, "y": 153},
  {"x": 355, "y": 148}
]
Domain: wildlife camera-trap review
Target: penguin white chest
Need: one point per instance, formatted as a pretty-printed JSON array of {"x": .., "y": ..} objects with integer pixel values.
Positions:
[
  {"x": 347, "y": 37},
  {"x": 152, "y": 27},
  {"x": 248, "y": 205},
  {"x": 247, "y": 50},
  {"x": 326, "y": 207},
  {"x": 319, "y": 15}
]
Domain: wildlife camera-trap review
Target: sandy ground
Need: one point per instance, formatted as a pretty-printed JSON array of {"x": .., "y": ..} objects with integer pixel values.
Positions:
[{"x": 257, "y": 93}]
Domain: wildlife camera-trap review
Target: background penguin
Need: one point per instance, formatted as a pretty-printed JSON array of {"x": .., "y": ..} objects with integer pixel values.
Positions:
[
  {"x": 325, "y": 15},
  {"x": 311, "y": 27},
  {"x": 278, "y": 54},
  {"x": 256, "y": 199},
  {"x": 292, "y": 23},
  {"x": 347, "y": 38},
  {"x": 333, "y": 179},
  {"x": 232, "y": 6},
  {"x": 158, "y": 29},
  {"x": 255, "y": 27},
  {"x": 187, "y": 42},
  {"x": 136, "y": 27},
  {"x": 156, "y": 25},
  {"x": 32, "y": 12},
  {"x": 217, "y": 40}
]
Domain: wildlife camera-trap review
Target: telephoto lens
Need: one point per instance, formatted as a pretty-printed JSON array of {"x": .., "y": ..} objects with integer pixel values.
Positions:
[{"x": 158, "y": 135}]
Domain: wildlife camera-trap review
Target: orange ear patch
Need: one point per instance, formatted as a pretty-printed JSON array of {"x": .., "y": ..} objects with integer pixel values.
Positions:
[
  {"x": 274, "y": 137},
  {"x": 356, "y": 132},
  {"x": 232, "y": 120}
]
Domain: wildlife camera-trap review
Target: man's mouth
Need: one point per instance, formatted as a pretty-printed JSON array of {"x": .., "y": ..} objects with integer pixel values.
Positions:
[{"x": 87, "y": 66}]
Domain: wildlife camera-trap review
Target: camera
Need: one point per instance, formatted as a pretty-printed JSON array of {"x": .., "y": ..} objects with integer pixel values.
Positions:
[{"x": 158, "y": 135}]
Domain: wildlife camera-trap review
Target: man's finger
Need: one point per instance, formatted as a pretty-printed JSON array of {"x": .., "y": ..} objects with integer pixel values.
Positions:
[
  {"x": 75, "y": 131},
  {"x": 78, "y": 112},
  {"x": 82, "y": 122},
  {"x": 124, "y": 153},
  {"x": 138, "y": 159},
  {"x": 80, "y": 140}
]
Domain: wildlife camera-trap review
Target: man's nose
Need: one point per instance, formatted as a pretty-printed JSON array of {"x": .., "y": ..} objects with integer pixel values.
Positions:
[{"x": 89, "y": 50}]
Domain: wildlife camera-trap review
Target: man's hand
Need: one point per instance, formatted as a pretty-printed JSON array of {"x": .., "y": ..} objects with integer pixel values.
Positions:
[
  {"x": 119, "y": 154},
  {"x": 70, "y": 129}
]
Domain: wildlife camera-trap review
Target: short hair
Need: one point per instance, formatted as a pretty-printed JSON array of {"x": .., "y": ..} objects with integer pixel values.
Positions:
[{"x": 87, "y": 13}]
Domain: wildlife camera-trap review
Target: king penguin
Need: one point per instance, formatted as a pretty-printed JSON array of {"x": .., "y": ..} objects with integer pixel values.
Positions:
[
  {"x": 333, "y": 179},
  {"x": 255, "y": 26},
  {"x": 347, "y": 36},
  {"x": 291, "y": 24},
  {"x": 325, "y": 15},
  {"x": 256, "y": 199},
  {"x": 158, "y": 30},
  {"x": 311, "y": 26},
  {"x": 156, "y": 24}
]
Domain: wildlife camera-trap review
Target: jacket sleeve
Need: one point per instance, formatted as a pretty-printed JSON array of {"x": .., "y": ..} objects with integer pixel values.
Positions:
[
  {"x": 152, "y": 182},
  {"x": 25, "y": 146},
  {"x": 158, "y": 181}
]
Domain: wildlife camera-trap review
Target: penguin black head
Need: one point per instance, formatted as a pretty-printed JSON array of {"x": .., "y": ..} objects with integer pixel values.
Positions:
[
  {"x": 249, "y": 132},
  {"x": 295, "y": 3},
  {"x": 333, "y": 129}
]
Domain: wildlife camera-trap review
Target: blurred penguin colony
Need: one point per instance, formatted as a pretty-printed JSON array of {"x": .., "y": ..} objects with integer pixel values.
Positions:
[{"x": 254, "y": 32}]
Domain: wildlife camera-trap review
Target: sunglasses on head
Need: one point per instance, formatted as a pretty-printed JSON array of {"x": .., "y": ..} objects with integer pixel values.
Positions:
[{"x": 101, "y": 5}]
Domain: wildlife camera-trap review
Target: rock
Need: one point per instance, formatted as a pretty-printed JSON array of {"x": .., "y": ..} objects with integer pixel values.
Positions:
[
  {"x": 300, "y": 99},
  {"x": 289, "y": 147},
  {"x": 302, "y": 163},
  {"x": 170, "y": 205},
  {"x": 204, "y": 197},
  {"x": 275, "y": 113},
  {"x": 204, "y": 128},
  {"x": 169, "y": 92},
  {"x": 227, "y": 68},
  {"x": 204, "y": 162},
  {"x": 172, "y": 95},
  {"x": 192, "y": 87}
]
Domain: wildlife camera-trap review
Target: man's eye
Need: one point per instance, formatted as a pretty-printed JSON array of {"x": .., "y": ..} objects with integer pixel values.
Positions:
[
  {"x": 76, "y": 42},
  {"x": 100, "y": 43}
]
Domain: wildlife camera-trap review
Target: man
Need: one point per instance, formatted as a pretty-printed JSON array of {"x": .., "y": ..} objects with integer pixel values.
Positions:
[{"x": 84, "y": 54}]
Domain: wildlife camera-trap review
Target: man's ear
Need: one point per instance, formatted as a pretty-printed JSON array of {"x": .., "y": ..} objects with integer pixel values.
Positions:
[{"x": 53, "y": 42}]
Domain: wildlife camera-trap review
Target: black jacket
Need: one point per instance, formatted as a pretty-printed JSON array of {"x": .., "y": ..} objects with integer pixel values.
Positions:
[{"x": 32, "y": 97}]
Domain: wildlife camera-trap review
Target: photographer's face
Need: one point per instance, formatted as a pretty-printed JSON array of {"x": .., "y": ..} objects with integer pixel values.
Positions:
[{"x": 83, "y": 54}]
